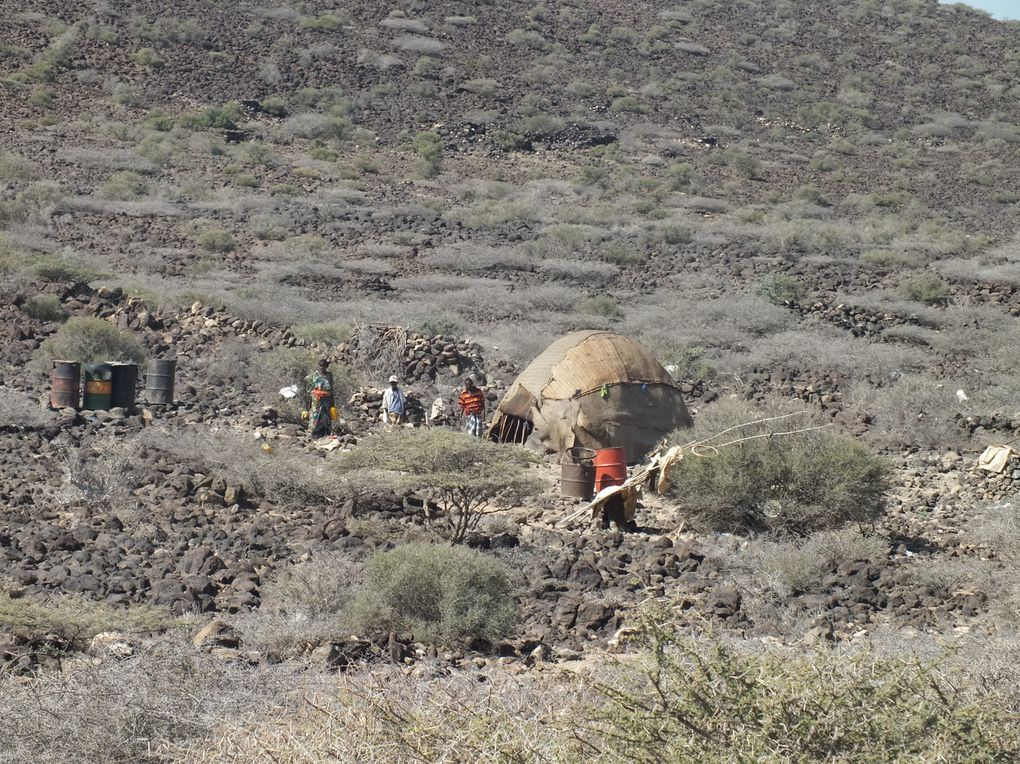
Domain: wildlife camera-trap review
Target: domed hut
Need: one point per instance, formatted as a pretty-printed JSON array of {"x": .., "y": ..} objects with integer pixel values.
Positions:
[{"x": 593, "y": 389}]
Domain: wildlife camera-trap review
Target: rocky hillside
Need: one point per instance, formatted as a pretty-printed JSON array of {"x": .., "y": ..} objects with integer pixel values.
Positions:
[{"x": 813, "y": 204}]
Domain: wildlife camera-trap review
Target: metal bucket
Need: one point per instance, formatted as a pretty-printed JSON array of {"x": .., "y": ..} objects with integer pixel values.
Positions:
[
  {"x": 610, "y": 467},
  {"x": 159, "y": 381},
  {"x": 124, "y": 381},
  {"x": 98, "y": 387},
  {"x": 577, "y": 480},
  {"x": 581, "y": 455},
  {"x": 65, "y": 385}
]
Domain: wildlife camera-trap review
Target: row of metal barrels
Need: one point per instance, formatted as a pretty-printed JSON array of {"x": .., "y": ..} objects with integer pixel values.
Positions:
[
  {"x": 109, "y": 385},
  {"x": 588, "y": 471}
]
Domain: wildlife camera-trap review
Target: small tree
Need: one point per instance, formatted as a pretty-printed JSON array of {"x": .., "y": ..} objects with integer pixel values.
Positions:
[{"x": 467, "y": 477}]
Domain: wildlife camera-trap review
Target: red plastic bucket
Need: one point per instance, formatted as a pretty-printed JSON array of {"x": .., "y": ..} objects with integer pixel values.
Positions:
[{"x": 610, "y": 467}]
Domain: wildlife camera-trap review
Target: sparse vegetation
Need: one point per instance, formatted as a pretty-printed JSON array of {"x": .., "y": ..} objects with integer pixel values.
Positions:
[
  {"x": 777, "y": 289},
  {"x": 45, "y": 308},
  {"x": 927, "y": 288},
  {"x": 216, "y": 240}
]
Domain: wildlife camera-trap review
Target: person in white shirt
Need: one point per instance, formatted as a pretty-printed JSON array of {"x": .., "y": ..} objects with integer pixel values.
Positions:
[{"x": 394, "y": 403}]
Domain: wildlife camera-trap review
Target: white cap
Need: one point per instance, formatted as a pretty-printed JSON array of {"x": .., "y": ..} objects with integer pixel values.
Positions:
[{"x": 394, "y": 378}]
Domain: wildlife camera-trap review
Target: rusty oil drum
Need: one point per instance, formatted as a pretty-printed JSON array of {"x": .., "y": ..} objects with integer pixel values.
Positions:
[
  {"x": 577, "y": 474},
  {"x": 65, "y": 385},
  {"x": 98, "y": 387},
  {"x": 577, "y": 480},
  {"x": 123, "y": 381},
  {"x": 159, "y": 381}
]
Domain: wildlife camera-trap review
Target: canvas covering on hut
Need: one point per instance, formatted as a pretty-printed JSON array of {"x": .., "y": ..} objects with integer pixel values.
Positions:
[{"x": 594, "y": 389}]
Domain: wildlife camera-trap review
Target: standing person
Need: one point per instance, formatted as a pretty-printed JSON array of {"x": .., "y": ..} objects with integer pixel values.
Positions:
[
  {"x": 320, "y": 394},
  {"x": 394, "y": 403},
  {"x": 472, "y": 406}
]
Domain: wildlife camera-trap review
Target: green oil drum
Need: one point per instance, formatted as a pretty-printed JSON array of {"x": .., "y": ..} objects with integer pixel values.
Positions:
[{"x": 98, "y": 387}]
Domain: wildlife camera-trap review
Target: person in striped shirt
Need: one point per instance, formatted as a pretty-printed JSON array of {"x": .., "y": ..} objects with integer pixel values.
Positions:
[{"x": 472, "y": 406}]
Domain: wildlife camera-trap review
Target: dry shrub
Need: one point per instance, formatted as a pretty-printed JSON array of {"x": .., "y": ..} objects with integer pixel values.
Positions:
[
  {"x": 912, "y": 411},
  {"x": 386, "y": 717},
  {"x": 228, "y": 454},
  {"x": 72, "y": 620},
  {"x": 302, "y": 606},
  {"x": 18, "y": 409},
  {"x": 800, "y": 565},
  {"x": 322, "y": 585},
  {"x": 129, "y": 711},
  {"x": 945, "y": 576},
  {"x": 795, "y": 483}
]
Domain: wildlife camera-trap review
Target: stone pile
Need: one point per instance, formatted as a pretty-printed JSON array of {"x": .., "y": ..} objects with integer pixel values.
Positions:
[
  {"x": 996, "y": 486},
  {"x": 861, "y": 322},
  {"x": 365, "y": 408},
  {"x": 1008, "y": 424},
  {"x": 824, "y": 389},
  {"x": 415, "y": 357}
]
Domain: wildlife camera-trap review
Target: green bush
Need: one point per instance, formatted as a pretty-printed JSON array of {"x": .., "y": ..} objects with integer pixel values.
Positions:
[
  {"x": 441, "y": 594},
  {"x": 628, "y": 104},
  {"x": 331, "y": 333},
  {"x": 698, "y": 700},
  {"x": 124, "y": 186},
  {"x": 45, "y": 307},
  {"x": 689, "y": 364},
  {"x": 88, "y": 340},
  {"x": 429, "y": 148},
  {"x": 216, "y": 240},
  {"x": 434, "y": 326},
  {"x": 777, "y": 289},
  {"x": 927, "y": 288},
  {"x": 601, "y": 305},
  {"x": 224, "y": 117},
  {"x": 793, "y": 484},
  {"x": 149, "y": 59}
]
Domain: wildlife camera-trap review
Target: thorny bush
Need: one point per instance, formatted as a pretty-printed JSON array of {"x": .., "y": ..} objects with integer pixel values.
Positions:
[{"x": 704, "y": 700}]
